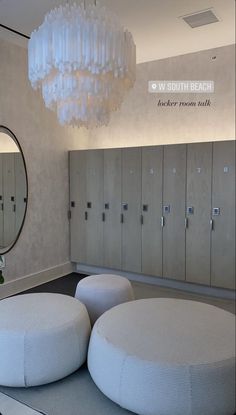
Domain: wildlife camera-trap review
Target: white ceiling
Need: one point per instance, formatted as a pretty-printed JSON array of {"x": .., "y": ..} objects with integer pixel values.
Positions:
[{"x": 155, "y": 24}]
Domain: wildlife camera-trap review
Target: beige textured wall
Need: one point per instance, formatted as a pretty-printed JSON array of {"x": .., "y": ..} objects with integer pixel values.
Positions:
[
  {"x": 141, "y": 122},
  {"x": 44, "y": 242}
]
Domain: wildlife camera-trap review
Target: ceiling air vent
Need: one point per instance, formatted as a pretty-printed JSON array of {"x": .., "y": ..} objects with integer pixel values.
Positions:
[{"x": 201, "y": 18}]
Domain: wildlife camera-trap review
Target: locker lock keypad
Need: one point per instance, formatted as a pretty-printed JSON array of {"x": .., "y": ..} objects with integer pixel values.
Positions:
[
  {"x": 190, "y": 210},
  {"x": 166, "y": 209},
  {"x": 145, "y": 208},
  {"x": 125, "y": 206},
  {"x": 216, "y": 211},
  {"x": 106, "y": 206},
  {"x": 89, "y": 205}
]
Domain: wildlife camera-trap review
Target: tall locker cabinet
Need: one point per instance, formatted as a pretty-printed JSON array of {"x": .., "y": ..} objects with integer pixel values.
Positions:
[
  {"x": 174, "y": 191},
  {"x": 131, "y": 209},
  {"x": 198, "y": 213},
  {"x": 223, "y": 215},
  {"x": 152, "y": 158},
  {"x": 9, "y": 198},
  {"x": 86, "y": 199},
  {"x": 112, "y": 209},
  {"x": 21, "y": 190},
  {"x": 94, "y": 207},
  {"x": 77, "y": 162}
]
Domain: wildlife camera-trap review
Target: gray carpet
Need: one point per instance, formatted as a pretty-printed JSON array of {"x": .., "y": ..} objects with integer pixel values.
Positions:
[{"x": 75, "y": 395}]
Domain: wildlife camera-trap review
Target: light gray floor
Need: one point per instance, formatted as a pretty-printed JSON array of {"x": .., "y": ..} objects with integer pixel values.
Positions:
[
  {"x": 150, "y": 291},
  {"x": 10, "y": 406}
]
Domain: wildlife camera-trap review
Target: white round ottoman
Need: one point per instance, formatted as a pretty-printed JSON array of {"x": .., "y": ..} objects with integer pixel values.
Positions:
[
  {"x": 43, "y": 338},
  {"x": 101, "y": 292},
  {"x": 165, "y": 357}
]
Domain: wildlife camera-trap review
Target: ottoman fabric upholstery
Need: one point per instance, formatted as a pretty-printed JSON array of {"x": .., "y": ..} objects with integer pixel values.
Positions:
[
  {"x": 43, "y": 338},
  {"x": 165, "y": 356},
  {"x": 101, "y": 292}
]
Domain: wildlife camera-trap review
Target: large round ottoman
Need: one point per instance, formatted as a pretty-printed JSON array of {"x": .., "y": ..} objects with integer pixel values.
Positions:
[
  {"x": 165, "y": 357},
  {"x": 101, "y": 292},
  {"x": 43, "y": 338}
]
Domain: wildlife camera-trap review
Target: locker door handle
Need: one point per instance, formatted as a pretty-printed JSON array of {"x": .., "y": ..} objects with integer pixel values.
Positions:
[
  {"x": 141, "y": 219},
  {"x": 14, "y": 207},
  {"x": 2, "y": 206},
  {"x": 162, "y": 221},
  {"x": 86, "y": 215},
  {"x": 121, "y": 218},
  {"x": 212, "y": 224},
  {"x": 103, "y": 217},
  {"x": 186, "y": 223}
]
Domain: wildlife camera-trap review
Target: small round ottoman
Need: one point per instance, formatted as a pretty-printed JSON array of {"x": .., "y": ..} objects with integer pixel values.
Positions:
[
  {"x": 43, "y": 338},
  {"x": 165, "y": 357},
  {"x": 101, "y": 292}
]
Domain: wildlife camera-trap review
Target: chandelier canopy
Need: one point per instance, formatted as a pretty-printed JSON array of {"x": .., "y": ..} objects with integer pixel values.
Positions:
[{"x": 83, "y": 61}]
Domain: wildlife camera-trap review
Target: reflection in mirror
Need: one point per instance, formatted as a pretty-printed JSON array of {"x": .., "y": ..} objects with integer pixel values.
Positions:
[{"x": 13, "y": 190}]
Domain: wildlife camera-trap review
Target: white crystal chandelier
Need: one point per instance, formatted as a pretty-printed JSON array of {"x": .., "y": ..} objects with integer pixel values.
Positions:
[{"x": 83, "y": 61}]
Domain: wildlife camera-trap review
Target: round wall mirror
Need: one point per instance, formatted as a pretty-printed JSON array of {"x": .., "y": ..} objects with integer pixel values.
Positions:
[{"x": 13, "y": 189}]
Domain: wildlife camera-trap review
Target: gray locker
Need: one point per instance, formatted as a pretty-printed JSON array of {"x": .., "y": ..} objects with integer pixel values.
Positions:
[
  {"x": 131, "y": 209},
  {"x": 94, "y": 207},
  {"x": 174, "y": 192},
  {"x": 1, "y": 201},
  {"x": 152, "y": 161},
  {"x": 198, "y": 212},
  {"x": 223, "y": 215},
  {"x": 21, "y": 190},
  {"x": 9, "y": 198},
  {"x": 77, "y": 162},
  {"x": 112, "y": 209}
]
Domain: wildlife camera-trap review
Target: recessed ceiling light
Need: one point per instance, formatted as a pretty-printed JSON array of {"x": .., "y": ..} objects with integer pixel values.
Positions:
[{"x": 200, "y": 18}]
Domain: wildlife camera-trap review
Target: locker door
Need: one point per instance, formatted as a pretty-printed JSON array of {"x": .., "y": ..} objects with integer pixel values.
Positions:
[
  {"x": 223, "y": 215},
  {"x": 174, "y": 187},
  {"x": 21, "y": 190},
  {"x": 198, "y": 209},
  {"x": 94, "y": 207},
  {"x": 9, "y": 198},
  {"x": 131, "y": 209},
  {"x": 112, "y": 208},
  {"x": 1, "y": 201},
  {"x": 152, "y": 160},
  {"x": 77, "y": 163}
]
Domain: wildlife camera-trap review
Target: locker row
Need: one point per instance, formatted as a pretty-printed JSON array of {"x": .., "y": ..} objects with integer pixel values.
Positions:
[
  {"x": 166, "y": 211},
  {"x": 13, "y": 196}
]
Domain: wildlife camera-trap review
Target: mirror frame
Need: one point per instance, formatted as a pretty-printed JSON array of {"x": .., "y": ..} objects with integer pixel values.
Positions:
[{"x": 4, "y": 129}]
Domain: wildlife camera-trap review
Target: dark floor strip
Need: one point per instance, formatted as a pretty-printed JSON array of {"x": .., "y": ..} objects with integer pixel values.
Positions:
[{"x": 64, "y": 285}]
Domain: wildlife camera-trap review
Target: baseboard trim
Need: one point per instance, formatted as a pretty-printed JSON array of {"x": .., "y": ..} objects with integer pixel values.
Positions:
[
  {"x": 33, "y": 280},
  {"x": 162, "y": 282}
]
